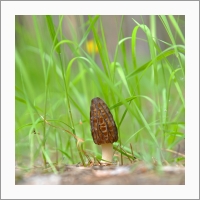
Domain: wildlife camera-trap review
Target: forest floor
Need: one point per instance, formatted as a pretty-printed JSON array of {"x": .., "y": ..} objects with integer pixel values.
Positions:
[{"x": 133, "y": 174}]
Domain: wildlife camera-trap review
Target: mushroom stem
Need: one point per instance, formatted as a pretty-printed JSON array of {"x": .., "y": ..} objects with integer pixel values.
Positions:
[{"x": 107, "y": 152}]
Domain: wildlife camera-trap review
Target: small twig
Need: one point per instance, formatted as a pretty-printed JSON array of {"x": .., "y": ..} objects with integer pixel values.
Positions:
[
  {"x": 77, "y": 138},
  {"x": 175, "y": 152},
  {"x": 131, "y": 150},
  {"x": 87, "y": 157},
  {"x": 126, "y": 154}
]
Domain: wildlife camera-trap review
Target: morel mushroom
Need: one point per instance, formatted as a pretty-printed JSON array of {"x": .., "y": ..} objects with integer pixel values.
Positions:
[{"x": 103, "y": 128}]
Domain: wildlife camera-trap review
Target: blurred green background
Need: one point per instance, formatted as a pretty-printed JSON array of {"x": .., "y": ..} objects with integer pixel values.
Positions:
[{"x": 136, "y": 64}]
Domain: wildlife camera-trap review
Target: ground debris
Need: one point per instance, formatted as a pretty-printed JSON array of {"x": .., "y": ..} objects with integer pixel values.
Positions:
[{"x": 135, "y": 174}]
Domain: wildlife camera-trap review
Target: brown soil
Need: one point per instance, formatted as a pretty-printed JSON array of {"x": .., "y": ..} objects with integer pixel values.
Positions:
[{"x": 135, "y": 174}]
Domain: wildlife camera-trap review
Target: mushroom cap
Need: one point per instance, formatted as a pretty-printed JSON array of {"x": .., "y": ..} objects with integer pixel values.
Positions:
[{"x": 103, "y": 126}]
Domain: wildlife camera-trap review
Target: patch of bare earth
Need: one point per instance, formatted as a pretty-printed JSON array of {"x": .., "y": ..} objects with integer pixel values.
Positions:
[{"x": 135, "y": 174}]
